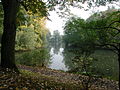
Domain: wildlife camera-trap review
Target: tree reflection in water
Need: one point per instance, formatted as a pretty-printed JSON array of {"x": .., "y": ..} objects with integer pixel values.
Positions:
[
  {"x": 106, "y": 64},
  {"x": 39, "y": 57}
]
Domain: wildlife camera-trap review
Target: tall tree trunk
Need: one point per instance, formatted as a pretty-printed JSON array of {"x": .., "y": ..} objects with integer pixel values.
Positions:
[
  {"x": 10, "y": 8},
  {"x": 119, "y": 62}
]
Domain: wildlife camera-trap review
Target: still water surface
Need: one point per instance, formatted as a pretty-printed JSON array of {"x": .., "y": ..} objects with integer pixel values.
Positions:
[
  {"x": 106, "y": 64},
  {"x": 60, "y": 59},
  {"x": 57, "y": 60}
]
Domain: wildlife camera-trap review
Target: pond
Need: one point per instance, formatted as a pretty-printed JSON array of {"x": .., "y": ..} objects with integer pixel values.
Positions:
[{"x": 106, "y": 64}]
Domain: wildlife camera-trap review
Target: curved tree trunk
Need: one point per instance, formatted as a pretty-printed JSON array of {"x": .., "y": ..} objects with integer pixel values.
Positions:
[{"x": 10, "y": 8}]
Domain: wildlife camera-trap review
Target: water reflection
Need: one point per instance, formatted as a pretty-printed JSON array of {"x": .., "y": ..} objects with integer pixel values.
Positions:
[
  {"x": 55, "y": 47},
  {"x": 39, "y": 57},
  {"x": 105, "y": 65},
  {"x": 61, "y": 59},
  {"x": 57, "y": 60}
]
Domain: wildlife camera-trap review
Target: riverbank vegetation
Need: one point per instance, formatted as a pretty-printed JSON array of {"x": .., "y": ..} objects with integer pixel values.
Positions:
[{"x": 99, "y": 31}]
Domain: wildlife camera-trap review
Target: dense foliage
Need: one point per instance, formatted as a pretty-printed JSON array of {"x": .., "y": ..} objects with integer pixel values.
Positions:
[
  {"x": 100, "y": 30},
  {"x": 31, "y": 30}
]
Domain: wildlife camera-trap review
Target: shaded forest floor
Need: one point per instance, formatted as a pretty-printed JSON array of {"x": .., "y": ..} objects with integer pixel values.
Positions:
[{"x": 34, "y": 78}]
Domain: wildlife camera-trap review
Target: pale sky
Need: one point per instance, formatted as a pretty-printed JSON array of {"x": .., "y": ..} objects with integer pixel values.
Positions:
[{"x": 57, "y": 23}]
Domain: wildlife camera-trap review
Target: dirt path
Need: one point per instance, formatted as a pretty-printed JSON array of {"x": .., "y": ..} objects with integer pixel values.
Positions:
[{"x": 97, "y": 83}]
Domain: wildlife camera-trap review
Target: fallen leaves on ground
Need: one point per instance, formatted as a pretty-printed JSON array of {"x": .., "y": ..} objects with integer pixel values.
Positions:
[{"x": 48, "y": 79}]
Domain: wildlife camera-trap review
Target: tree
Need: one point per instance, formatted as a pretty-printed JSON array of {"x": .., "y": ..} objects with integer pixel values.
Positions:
[
  {"x": 1, "y": 21},
  {"x": 56, "y": 41},
  {"x": 31, "y": 30},
  {"x": 10, "y": 8},
  {"x": 107, "y": 29},
  {"x": 106, "y": 26},
  {"x": 77, "y": 36},
  {"x": 101, "y": 30}
]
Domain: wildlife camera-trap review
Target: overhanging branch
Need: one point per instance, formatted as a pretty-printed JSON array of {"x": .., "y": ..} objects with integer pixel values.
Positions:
[
  {"x": 105, "y": 28},
  {"x": 113, "y": 23},
  {"x": 112, "y": 45}
]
